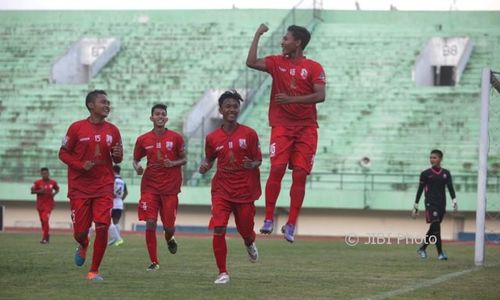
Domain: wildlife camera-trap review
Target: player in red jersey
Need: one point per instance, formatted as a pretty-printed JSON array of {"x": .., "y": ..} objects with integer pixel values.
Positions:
[
  {"x": 162, "y": 179},
  {"x": 45, "y": 190},
  {"x": 298, "y": 84},
  {"x": 236, "y": 184},
  {"x": 89, "y": 149}
]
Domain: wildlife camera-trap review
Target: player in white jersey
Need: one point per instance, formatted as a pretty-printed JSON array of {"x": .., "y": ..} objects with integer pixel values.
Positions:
[{"x": 116, "y": 213}]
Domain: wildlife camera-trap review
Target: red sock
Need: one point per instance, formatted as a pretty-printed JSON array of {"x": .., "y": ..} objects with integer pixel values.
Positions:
[
  {"x": 45, "y": 227},
  {"x": 169, "y": 233},
  {"x": 100, "y": 244},
  {"x": 82, "y": 239},
  {"x": 151, "y": 244},
  {"x": 273, "y": 187},
  {"x": 297, "y": 192},
  {"x": 220, "y": 251},
  {"x": 249, "y": 239}
]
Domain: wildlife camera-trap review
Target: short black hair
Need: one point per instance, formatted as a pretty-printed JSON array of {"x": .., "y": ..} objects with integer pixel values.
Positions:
[
  {"x": 233, "y": 94},
  {"x": 437, "y": 152},
  {"x": 117, "y": 169},
  {"x": 44, "y": 169},
  {"x": 300, "y": 33},
  {"x": 160, "y": 106},
  {"x": 92, "y": 95}
]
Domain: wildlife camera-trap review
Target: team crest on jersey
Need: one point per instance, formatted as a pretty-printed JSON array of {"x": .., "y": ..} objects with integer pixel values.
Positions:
[
  {"x": 322, "y": 76},
  {"x": 97, "y": 138},
  {"x": 303, "y": 73},
  {"x": 292, "y": 72},
  {"x": 109, "y": 139},
  {"x": 444, "y": 176},
  {"x": 243, "y": 143},
  {"x": 169, "y": 145}
]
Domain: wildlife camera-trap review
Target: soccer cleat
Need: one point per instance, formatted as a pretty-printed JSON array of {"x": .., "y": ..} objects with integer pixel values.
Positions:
[
  {"x": 421, "y": 252},
  {"x": 111, "y": 242},
  {"x": 442, "y": 256},
  {"x": 223, "y": 278},
  {"x": 153, "y": 267},
  {"x": 80, "y": 255},
  {"x": 172, "y": 245},
  {"x": 267, "y": 227},
  {"x": 253, "y": 253},
  {"x": 119, "y": 242},
  {"x": 94, "y": 277},
  {"x": 287, "y": 231},
  {"x": 44, "y": 241}
]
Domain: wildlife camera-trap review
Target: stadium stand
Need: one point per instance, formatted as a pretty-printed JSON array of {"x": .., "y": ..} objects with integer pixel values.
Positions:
[{"x": 373, "y": 108}]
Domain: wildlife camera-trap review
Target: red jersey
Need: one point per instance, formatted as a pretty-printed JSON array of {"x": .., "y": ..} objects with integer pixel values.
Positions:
[
  {"x": 86, "y": 141},
  {"x": 294, "y": 78},
  {"x": 158, "y": 179},
  {"x": 232, "y": 182},
  {"x": 46, "y": 198}
]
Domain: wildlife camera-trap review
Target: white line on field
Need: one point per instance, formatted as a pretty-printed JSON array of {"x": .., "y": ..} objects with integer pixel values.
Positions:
[{"x": 427, "y": 283}]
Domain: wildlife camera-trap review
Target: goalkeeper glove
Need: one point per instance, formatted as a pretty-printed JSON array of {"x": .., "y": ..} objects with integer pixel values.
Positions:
[
  {"x": 454, "y": 204},
  {"x": 414, "y": 212}
]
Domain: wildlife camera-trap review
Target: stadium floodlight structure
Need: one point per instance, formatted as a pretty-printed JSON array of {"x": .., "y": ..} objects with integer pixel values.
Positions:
[{"x": 488, "y": 80}]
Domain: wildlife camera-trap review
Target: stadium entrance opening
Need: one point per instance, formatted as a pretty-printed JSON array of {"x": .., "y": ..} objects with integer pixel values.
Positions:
[{"x": 443, "y": 75}]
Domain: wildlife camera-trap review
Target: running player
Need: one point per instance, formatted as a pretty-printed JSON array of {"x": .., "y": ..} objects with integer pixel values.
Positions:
[
  {"x": 90, "y": 148},
  {"x": 45, "y": 190},
  {"x": 236, "y": 184},
  {"x": 298, "y": 84},
  {"x": 162, "y": 179}
]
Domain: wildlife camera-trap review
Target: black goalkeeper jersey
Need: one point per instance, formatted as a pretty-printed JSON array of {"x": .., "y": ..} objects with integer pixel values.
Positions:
[{"x": 434, "y": 184}]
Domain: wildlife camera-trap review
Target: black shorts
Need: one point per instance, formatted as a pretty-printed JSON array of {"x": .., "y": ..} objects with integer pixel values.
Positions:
[
  {"x": 433, "y": 215},
  {"x": 116, "y": 213}
]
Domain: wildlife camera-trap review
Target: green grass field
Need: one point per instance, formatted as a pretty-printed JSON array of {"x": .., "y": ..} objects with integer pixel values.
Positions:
[{"x": 322, "y": 269}]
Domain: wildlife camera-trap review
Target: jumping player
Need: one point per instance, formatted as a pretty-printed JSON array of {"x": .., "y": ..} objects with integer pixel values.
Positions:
[
  {"x": 116, "y": 213},
  {"x": 45, "y": 190},
  {"x": 236, "y": 184},
  {"x": 90, "y": 148},
  {"x": 298, "y": 84},
  {"x": 162, "y": 179},
  {"x": 434, "y": 181}
]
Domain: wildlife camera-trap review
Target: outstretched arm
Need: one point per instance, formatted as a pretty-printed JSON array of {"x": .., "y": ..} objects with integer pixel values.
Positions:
[{"x": 252, "y": 60}]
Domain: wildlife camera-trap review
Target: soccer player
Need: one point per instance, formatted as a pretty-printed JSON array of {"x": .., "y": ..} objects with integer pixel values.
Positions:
[
  {"x": 236, "y": 184},
  {"x": 90, "y": 148},
  {"x": 45, "y": 190},
  {"x": 162, "y": 179},
  {"x": 434, "y": 181},
  {"x": 116, "y": 213},
  {"x": 298, "y": 84}
]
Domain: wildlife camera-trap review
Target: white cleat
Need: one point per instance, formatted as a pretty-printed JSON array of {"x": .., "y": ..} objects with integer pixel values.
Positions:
[
  {"x": 253, "y": 253},
  {"x": 223, "y": 278}
]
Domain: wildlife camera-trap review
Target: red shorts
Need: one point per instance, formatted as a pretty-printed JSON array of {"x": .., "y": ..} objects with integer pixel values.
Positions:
[
  {"x": 244, "y": 214},
  {"x": 151, "y": 204},
  {"x": 84, "y": 211},
  {"x": 295, "y": 146}
]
